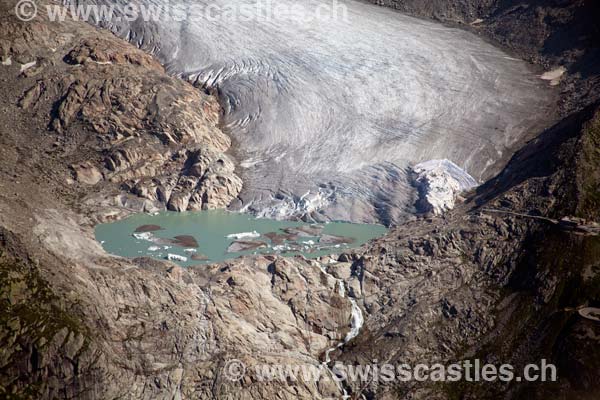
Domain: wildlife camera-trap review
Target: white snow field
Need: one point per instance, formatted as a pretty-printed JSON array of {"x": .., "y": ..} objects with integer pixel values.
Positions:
[{"x": 328, "y": 116}]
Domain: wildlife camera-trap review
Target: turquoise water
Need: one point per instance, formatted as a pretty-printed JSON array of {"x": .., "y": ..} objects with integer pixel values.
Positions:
[{"x": 209, "y": 229}]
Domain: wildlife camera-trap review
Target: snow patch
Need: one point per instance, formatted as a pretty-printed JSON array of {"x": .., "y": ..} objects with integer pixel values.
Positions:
[
  {"x": 25, "y": 67},
  {"x": 554, "y": 76},
  {"x": 439, "y": 183}
]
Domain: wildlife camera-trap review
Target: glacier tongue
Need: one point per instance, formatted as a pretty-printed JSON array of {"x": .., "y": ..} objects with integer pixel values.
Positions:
[
  {"x": 340, "y": 108},
  {"x": 439, "y": 183}
]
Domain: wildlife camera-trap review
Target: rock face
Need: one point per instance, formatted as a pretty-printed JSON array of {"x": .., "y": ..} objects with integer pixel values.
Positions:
[
  {"x": 495, "y": 286},
  {"x": 96, "y": 119},
  {"x": 490, "y": 279},
  {"x": 145, "y": 140}
]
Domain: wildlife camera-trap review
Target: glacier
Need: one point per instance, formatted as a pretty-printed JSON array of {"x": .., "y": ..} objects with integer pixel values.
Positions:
[{"x": 328, "y": 117}]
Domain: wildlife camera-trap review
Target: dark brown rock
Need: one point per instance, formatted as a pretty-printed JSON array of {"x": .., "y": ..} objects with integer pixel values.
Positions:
[
  {"x": 245, "y": 245},
  {"x": 148, "y": 228}
]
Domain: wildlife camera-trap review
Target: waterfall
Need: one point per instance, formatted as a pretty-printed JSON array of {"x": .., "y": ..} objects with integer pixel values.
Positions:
[{"x": 357, "y": 322}]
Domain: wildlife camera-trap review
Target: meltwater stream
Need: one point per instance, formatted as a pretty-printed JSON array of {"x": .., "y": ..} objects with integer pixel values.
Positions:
[{"x": 328, "y": 115}]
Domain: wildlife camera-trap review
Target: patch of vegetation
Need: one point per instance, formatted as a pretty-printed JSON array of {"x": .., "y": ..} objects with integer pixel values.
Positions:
[
  {"x": 588, "y": 173},
  {"x": 32, "y": 318}
]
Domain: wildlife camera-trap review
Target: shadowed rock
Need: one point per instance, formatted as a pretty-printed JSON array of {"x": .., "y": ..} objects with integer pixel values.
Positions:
[
  {"x": 185, "y": 241},
  {"x": 180, "y": 241},
  {"x": 333, "y": 239},
  {"x": 147, "y": 228},
  {"x": 199, "y": 257},
  {"x": 245, "y": 245},
  {"x": 280, "y": 238},
  {"x": 305, "y": 231}
]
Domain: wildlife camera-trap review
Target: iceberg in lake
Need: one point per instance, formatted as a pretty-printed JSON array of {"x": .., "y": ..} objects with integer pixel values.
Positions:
[
  {"x": 243, "y": 235},
  {"x": 148, "y": 236},
  {"x": 176, "y": 257}
]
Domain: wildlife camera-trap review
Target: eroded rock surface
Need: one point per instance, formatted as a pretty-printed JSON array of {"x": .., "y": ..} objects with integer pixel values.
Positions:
[
  {"x": 146, "y": 141},
  {"x": 76, "y": 323}
]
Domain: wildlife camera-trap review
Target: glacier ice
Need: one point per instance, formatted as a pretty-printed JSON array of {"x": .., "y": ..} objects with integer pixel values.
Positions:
[
  {"x": 244, "y": 235},
  {"x": 439, "y": 183},
  {"x": 341, "y": 108},
  {"x": 176, "y": 257}
]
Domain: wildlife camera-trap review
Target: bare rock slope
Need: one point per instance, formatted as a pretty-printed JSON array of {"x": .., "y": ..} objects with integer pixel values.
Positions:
[
  {"x": 500, "y": 278},
  {"x": 118, "y": 122},
  {"x": 91, "y": 122}
]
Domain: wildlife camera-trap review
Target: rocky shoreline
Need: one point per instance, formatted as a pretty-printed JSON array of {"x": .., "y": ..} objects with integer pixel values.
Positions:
[{"x": 80, "y": 324}]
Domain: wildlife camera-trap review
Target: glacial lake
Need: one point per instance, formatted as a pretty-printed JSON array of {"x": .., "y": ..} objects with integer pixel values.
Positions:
[{"x": 201, "y": 237}]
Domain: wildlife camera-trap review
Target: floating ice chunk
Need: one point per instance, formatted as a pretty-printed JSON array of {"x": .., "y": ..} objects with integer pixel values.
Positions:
[
  {"x": 244, "y": 235},
  {"x": 149, "y": 236},
  {"x": 153, "y": 248},
  {"x": 176, "y": 257},
  {"x": 191, "y": 251},
  {"x": 439, "y": 183}
]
